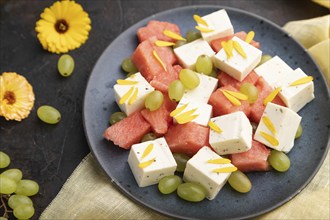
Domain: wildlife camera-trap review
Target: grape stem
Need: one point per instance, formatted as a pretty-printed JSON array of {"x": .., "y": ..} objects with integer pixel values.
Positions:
[{"x": 4, "y": 206}]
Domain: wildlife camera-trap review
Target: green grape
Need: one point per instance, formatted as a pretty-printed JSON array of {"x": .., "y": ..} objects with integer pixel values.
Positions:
[
  {"x": 7, "y": 185},
  {"x": 181, "y": 161},
  {"x": 154, "y": 100},
  {"x": 3, "y": 218},
  {"x": 14, "y": 174},
  {"x": 27, "y": 188},
  {"x": 299, "y": 131},
  {"x": 204, "y": 65},
  {"x": 279, "y": 161},
  {"x": 251, "y": 91},
  {"x": 240, "y": 182},
  {"x": 4, "y": 160},
  {"x": 116, "y": 117},
  {"x": 128, "y": 66},
  {"x": 264, "y": 58},
  {"x": 24, "y": 211},
  {"x": 189, "y": 78},
  {"x": 192, "y": 192},
  {"x": 148, "y": 137},
  {"x": 192, "y": 35},
  {"x": 214, "y": 73},
  {"x": 17, "y": 200},
  {"x": 176, "y": 90},
  {"x": 179, "y": 43},
  {"x": 169, "y": 184},
  {"x": 48, "y": 114},
  {"x": 65, "y": 65}
]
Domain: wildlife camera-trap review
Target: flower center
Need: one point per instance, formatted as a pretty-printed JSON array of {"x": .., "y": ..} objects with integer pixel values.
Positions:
[
  {"x": 61, "y": 26},
  {"x": 10, "y": 97}
]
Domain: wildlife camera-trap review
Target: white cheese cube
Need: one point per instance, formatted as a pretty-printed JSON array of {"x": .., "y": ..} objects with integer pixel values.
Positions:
[
  {"x": 296, "y": 97},
  {"x": 236, "y": 134},
  {"x": 237, "y": 66},
  {"x": 273, "y": 70},
  {"x": 163, "y": 162},
  {"x": 220, "y": 23},
  {"x": 285, "y": 122},
  {"x": 143, "y": 89},
  {"x": 203, "y": 91},
  {"x": 203, "y": 111},
  {"x": 199, "y": 170},
  {"x": 187, "y": 54}
]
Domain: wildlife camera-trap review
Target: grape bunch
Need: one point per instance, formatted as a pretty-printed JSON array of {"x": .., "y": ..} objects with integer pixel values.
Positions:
[{"x": 15, "y": 191}]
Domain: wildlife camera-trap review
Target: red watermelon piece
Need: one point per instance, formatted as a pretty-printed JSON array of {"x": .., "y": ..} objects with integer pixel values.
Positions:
[
  {"x": 258, "y": 107},
  {"x": 216, "y": 44},
  {"x": 187, "y": 138},
  {"x": 221, "y": 105},
  {"x": 254, "y": 159},
  {"x": 155, "y": 29},
  {"x": 225, "y": 79},
  {"x": 128, "y": 131},
  {"x": 147, "y": 64},
  {"x": 161, "y": 82},
  {"x": 160, "y": 119}
]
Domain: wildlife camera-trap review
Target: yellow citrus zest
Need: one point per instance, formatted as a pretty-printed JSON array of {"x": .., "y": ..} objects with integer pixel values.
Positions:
[
  {"x": 271, "y": 139},
  {"x": 146, "y": 163},
  {"x": 178, "y": 110},
  {"x": 204, "y": 29},
  {"x": 225, "y": 170},
  {"x": 249, "y": 37},
  {"x": 186, "y": 119},
  {"x": 302, "y": 80},
  {"x": 134, "y": 96},
  {"x": 237, "y": 95},
  {"x": 161, "y": 43},
  {"x": 239, "y": 49},
  {"x": 231, "y": 98},
  {"x": 155, "y": 54},
  {"x": 228, "y": 48},
  {"x": 126, "y": 96},
  {"x": 200, "y": 20},
  {"x": 147, "y": 151},
  {"x": 272, "y": 95},
  {"x": 219, "y": 161},
  {"x": 214, "y": 127},
  {"x": 269, "y": 124},
  {"x": 126, "y": 82},
  {"x": 173, "y": 35}
]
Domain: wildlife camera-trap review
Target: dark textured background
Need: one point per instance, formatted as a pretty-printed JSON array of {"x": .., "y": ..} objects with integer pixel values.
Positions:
[{"x": 49, "y": 153}]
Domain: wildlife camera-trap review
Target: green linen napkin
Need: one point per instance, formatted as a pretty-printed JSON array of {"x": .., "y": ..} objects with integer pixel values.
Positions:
[{"x": 89, "y": 193}]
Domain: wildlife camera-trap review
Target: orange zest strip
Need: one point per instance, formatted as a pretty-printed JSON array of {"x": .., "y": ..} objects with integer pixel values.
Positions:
[
  {"x": 302, "y": 80},
  {"x": 161, "y": 43},
  {"x": 200, "y": 20},
  {"x": 225, "y": 170},
  {"x": 173, "y": 35},
  {"x": 219, "y": 161},
  {"x": 239, "y": 49},
  {"x": 214, "y": 127},
  {"x": 155, "y": 54},
  {"x": 249, "y": 37},
  {"x": 146, "y": 163},
  {"x": 134, "y": 96},
  {"x": 269, "y": 124},
  {"x": 147, "y": 150},
  {"x": 272, "y": 140},
  {"x": 126, "y": 96},
  {"x": 272, "y": 95},
  {"x": 231, "y": 98}
]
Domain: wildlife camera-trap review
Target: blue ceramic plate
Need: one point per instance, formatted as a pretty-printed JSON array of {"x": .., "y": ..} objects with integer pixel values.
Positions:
[{"x": 270, "y": 189}]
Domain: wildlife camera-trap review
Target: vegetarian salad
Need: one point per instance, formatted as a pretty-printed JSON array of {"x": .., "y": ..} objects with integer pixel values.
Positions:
[{"x": 209, "y": 105}]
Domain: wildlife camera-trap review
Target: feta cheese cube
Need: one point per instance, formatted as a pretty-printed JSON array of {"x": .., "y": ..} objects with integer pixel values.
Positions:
[
  {"x": 203, "y": 111},
  {"x": 295, "y": 97},
  {"x": 220, "y": 23},
  {"x": 203, "y": 91},
  {"x": 163, "y": 162},
  {"x": 237, "y": 66},
  {"x": 285, "y": 123},
  {"x": 187, "y": 54},
  {"x": 142, "y": 87},
  {"x": 273, "y": 71},
  {"x": 199, "y": 170},
  {"x": 236, "y": 134}
]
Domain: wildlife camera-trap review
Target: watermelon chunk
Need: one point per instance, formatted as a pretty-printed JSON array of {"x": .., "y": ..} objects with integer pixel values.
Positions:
[
  {"x": 254, "y": 159},
  {"x": 216, "y": 44},
  {"x": 147, "y": 64},
  {"x": 128, "y": 131},
  {"x": 187, "y": 138},
  {"x": 160, "y": 119},
  {"x": 258, "y": 107},
  {"x": 221, "y": 105},
  {"x": 155, "y": 29},
  {"x": 161, "y": 82},
  {"x": 225, "y": 79}
]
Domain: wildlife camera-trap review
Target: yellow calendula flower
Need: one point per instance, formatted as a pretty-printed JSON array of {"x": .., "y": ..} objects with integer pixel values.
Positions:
[
  {"x": 16, "y": 96},
  {"x": 64, "y": 26}
]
